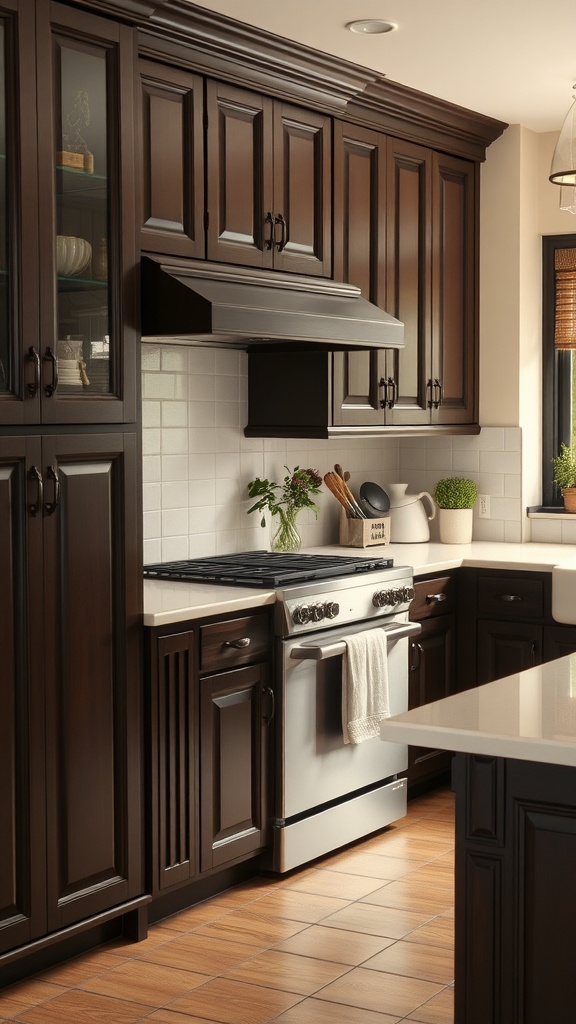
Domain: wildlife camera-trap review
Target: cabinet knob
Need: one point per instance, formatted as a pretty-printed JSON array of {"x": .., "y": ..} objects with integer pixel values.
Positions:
[
  {"x": 435, "y": 598},
  {"x": 238, "y": 644}
]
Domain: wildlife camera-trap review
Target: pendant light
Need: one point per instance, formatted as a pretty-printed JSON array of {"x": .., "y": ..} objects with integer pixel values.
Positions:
[{"x": 563, "y": 167}]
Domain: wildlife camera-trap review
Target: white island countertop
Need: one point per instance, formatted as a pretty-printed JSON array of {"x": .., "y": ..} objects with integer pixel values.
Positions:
[
  {"x": 530, "y": 716},
  {"x": 167, "y": 602}
]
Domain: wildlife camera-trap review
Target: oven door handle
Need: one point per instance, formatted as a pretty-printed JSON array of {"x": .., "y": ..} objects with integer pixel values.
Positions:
[{"x": 319, "y": 652}]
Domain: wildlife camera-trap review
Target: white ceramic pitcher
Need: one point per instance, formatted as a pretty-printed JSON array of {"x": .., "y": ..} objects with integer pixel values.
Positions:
[{"x": 408, "y": 517}]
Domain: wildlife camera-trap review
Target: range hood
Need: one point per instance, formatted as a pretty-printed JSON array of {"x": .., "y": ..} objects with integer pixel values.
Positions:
[{"x": 187, "y": 302}]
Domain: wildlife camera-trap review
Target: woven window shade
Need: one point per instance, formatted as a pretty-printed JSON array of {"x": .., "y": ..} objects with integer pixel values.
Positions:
[{"x": 565, "y": 314}]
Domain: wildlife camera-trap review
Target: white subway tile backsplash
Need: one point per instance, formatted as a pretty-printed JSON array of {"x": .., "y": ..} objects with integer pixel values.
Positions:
[{"x": 197, "y": 462}]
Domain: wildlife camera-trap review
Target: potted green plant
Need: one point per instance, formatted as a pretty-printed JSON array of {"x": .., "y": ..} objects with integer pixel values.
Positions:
[
  {"x": 564, "y": 467},
  {"x": 284, "y": 502},
  {"x": 455, "y": 497}
]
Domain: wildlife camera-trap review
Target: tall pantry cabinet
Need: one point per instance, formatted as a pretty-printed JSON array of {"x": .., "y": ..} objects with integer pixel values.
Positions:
[{"x": 70, "y": 732}]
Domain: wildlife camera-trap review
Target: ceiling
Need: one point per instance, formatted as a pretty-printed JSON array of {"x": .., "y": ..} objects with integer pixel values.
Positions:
[{"x": 514, "y": 60}]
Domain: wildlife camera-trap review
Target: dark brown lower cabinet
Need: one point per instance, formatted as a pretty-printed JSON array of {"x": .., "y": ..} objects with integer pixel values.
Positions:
[
  {"x": 515, "y": 891},
  {"x": 234, "y": 754},
  {"x": 70, "y": 710},
  {"x": 431, "y": 666},
  {"x": 507, "y": 647},
  {"x": 210, "y": 708}
]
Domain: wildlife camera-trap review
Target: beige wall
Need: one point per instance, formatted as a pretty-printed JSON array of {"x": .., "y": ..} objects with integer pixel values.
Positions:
[{"x": 518, "y": 205}]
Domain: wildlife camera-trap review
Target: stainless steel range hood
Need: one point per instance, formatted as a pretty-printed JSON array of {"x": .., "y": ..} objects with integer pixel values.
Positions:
[{"x": 185, "y": 302}]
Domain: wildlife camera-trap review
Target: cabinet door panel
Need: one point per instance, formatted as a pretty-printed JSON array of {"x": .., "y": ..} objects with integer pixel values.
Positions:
[
  {"x": 507, "y": 647},
  {"x": 359, "y": 259},
  {"x": 172, "y": 154},
  {"x": 87, "y": 198},
  {"x": 408, "y": 293},
  {"x": 233, "y": 794},
  {"x": 92, "y": 675},
  {"x": 454, "y": 304},
  {"x": 239, "y": 169},
  {"x": 19, "y": 261},
  {"x": 302, "y": 190},
  {"x": 22, "y": 828},
  {"x": 174, "y": 838},
  {"x": 430, "y": 678}
]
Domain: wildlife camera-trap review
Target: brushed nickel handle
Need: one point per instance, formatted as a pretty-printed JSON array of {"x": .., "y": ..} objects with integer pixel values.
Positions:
[
  {"x": 416, "y": 662},
  {"x": 435, "y": 598},
  {"x": 510, "y": 597},
  {"x": 238, "y": 644},
  {"x": 319, "y": 652}
]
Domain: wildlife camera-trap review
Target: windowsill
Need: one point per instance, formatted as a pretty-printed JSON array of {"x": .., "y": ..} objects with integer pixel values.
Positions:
[{"x": 555, "y": 513}]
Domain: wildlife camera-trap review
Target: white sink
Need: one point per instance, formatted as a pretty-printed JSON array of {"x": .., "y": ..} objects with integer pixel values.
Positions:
[{"x": 564, "y": 592}]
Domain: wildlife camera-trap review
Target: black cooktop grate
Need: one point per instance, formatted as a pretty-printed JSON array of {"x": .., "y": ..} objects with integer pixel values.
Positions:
[{"x": 264, "y": 568}]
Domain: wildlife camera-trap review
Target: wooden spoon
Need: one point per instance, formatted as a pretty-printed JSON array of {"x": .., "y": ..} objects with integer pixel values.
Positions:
[{"x": 334, "y": 484}]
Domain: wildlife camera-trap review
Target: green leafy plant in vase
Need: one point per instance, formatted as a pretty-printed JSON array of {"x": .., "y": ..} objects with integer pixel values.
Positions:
[
  {"x": 455, "y": 497},
  {"x": 564, "y": 469},
  {"x": 284, "y": 502}
]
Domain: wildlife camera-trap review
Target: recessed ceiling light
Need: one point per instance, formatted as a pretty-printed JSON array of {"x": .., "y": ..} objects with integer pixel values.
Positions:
[{"x": 371, "y": 27}]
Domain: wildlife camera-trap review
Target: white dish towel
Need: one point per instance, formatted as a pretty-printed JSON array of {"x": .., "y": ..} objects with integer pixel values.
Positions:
[{"x": 365, "y": 695}]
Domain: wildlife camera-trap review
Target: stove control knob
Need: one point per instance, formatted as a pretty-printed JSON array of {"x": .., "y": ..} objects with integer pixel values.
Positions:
[
  {"x": 331, "y": 609},
  {"x": 383, "y": 598},
  {"x": 407, "y": 593},
  {"x": 301, "y": 615},
  {"x": 317, "y": 612}
]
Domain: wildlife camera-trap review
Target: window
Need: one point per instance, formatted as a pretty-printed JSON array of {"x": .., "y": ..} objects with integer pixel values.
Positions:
[{"x": 558, "y": 374}]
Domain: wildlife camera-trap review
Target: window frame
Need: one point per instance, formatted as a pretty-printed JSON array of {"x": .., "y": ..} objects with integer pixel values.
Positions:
[{"x": 556, "y": 405}]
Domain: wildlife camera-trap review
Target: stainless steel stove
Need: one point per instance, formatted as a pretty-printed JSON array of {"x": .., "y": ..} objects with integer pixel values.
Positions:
[
  {"x": 264, "y": 568},
  {"x": 327, "y": 792}
]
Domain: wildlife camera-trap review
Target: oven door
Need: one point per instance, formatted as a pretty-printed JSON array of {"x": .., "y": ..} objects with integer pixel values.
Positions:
[{"x": 314, "y": 765}]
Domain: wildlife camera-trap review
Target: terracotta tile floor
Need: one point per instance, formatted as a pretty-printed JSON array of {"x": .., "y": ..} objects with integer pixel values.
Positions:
[{"x": 364, "y": 936}]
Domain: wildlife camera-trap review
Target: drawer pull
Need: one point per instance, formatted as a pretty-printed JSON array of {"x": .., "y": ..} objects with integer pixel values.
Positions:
[
  {"x": 510, "y": 597},
  {"x": 238, "y": 644},
  {"x": 435, "y": 598}
]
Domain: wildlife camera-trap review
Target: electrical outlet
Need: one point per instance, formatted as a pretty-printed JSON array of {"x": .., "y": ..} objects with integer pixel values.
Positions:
[{"x": 484, "y": 506}]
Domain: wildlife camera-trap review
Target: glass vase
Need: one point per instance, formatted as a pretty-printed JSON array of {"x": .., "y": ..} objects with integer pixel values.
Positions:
[{"x": 284, "y": 531}]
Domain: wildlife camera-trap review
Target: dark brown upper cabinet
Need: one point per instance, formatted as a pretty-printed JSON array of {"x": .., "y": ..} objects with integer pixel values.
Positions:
[
  {"x": 404, "y": 232},
  {"x": 172, "y": 161},
  {"x": 69, "y": 248},
  {"x": 268, "y": 183}
]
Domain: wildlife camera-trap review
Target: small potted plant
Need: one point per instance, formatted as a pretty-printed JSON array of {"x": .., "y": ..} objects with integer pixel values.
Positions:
[
  {"x": 284, "y": 502},
  {"x": 455, "y": 498},
  {"x": 564, "y": 467}
]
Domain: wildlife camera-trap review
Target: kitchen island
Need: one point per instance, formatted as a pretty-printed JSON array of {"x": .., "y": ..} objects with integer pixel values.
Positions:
[{"x": 514, "y": 774}]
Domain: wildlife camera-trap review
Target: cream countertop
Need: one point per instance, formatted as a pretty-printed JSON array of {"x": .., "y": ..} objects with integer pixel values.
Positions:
[
  {"x": 530, "y": 716},
  {"x": 166, "y": 602}
]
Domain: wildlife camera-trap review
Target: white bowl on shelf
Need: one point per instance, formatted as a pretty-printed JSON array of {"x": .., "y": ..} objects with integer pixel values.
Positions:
[{"x": 72, "y": 255}]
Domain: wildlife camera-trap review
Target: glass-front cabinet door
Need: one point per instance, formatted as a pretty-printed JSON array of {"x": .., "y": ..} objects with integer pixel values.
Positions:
[
  {"x": 87, "y": 217},
  {"x": 19, "y": 257}
]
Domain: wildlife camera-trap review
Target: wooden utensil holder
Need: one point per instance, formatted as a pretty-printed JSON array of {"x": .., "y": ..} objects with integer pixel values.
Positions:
[{"x": 363, "y": 533}]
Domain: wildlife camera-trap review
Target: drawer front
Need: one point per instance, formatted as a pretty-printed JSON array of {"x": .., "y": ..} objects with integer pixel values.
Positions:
[
  {"x": 510, "y": 597},
  {"x": 234, "y": 642},
  {"x": 433, "y": 597}
]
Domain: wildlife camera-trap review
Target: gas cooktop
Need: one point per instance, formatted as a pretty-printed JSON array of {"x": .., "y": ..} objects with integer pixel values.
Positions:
[{"x": 265, "y": 568}]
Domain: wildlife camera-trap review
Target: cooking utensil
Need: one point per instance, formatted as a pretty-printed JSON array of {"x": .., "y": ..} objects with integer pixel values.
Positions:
[
  {"x": 340, "y": 489},
  {"x": 374, "y": 500}
]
